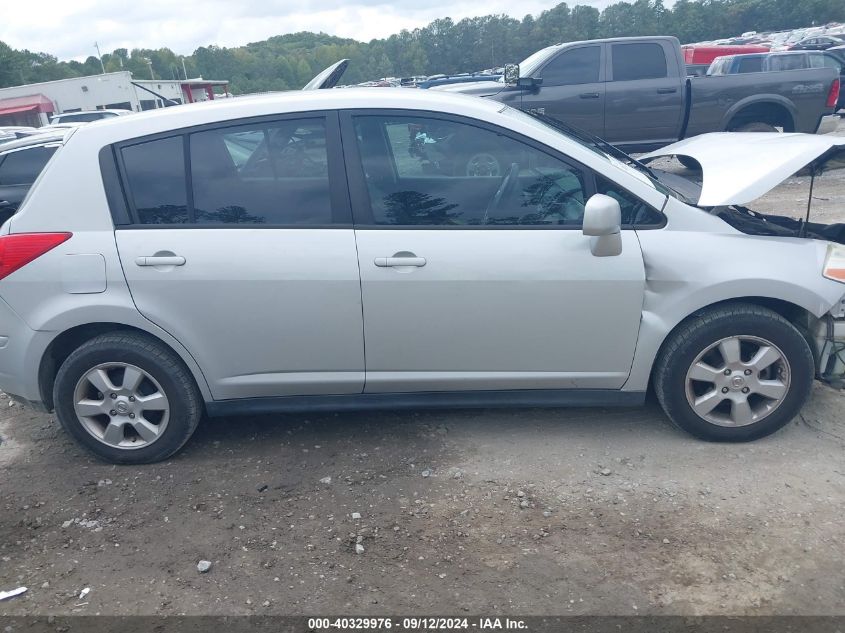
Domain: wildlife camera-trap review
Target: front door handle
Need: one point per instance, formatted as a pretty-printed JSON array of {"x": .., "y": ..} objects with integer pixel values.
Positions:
[
  {"x": 160, "y": 260},
  {"x": 589, "y": 95},
  {"x": 666, "y": 91},
  {"x": 390, "y": 262}
]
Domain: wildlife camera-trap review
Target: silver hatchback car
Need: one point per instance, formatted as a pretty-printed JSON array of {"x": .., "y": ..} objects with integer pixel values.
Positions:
[{"x": 314, "y": 251}]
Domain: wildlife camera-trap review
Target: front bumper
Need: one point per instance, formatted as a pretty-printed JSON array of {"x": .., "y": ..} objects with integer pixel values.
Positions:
[{"x": 828, "y": 124}]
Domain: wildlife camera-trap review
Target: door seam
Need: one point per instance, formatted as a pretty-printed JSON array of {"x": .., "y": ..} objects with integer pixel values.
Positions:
[{"x": 355, "y": 239}]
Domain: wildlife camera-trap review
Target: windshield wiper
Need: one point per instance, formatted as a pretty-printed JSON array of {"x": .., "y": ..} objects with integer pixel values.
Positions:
[{"x": 596, "y": 141}]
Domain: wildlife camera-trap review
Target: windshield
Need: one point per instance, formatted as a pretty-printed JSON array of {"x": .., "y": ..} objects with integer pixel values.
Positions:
[
  {"x": 601, "y": 147},
  {"x": 530, "y": 64}
]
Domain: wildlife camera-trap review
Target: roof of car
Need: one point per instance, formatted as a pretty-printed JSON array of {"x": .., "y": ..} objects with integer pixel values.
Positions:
[
  {"x": 119, "y": 111},
  {"x": 162, "y": 120},
  {"x": 33, "y": 141}
]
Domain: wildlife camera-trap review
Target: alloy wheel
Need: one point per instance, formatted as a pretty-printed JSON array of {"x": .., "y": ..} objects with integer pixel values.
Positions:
[
  {"x": 737, "y": 381},
  {"x": 121, "y": 405}
]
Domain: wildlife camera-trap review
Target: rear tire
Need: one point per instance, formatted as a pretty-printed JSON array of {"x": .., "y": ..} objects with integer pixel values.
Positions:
[
  {"x": 127, "y": 398},
  {"x": 770, "y": 367}
]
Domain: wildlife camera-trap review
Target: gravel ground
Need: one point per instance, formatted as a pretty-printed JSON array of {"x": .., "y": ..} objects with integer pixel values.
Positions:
[{"x": 579, "y": 511}]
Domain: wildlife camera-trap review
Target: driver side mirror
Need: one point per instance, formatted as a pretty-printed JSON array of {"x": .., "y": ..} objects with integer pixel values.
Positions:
[
  {"x": 603, "y": 224},
  {"x": 511, "y": 74}
]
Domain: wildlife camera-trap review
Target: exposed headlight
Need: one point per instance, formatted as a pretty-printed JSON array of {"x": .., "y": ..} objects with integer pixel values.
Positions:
[{"x": 834, "y": 263}]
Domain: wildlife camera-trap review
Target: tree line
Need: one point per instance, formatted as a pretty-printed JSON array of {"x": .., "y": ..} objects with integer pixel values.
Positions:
[{"x": 444, "y": 46}]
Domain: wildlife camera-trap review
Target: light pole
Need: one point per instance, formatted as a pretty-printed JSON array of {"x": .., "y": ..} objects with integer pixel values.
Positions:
[
  {"x": 150, "y": 64},
  {"x": 100, "y": 57},
  {"x": 183, "y": 69}
]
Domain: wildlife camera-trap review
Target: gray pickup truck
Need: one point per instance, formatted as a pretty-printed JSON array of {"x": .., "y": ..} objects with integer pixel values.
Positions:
[{"x": 634, "y": 92}]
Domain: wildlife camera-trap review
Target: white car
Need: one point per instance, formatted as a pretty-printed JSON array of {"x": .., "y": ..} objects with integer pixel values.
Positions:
[
  {"x": 328, "y": 250},
  {"x": 86, "y": 116}
]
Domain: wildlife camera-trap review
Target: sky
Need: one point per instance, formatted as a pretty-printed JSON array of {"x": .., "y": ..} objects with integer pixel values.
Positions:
[{"x": 68, "y": 29}]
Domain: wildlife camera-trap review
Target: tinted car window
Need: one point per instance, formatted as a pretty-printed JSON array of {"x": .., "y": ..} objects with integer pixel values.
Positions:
[
  {"x": 155, "y": 171},
  {"x": 816, "y": 60},
  {"x": 638, "y": 61},
  {"x": 273, "y": 173},
  {"x": 750, "y": 65},
  {"x": 422, "y": 171},
  {"x": 832, "y": 62},
  {"x": 82, "y": 117},
  {"x": 23, "y": 166},
  {"x": 635, "y": 212},
  {"x": 575, "y": 66},
  {"x": 787, "y": 62}
]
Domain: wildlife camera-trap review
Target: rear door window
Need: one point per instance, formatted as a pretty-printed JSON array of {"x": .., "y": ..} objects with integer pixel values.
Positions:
[
  {"x": 638, "y": 61},
  {"x": 273, "y": 173},
  {"x": 23, "y": 166},
  {"x": 572, "y": 67}
]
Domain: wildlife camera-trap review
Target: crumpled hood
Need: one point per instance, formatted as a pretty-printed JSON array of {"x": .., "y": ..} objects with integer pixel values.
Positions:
[
  {"x": 738, "y": 167},
  {"x": 473, "y": 88}
]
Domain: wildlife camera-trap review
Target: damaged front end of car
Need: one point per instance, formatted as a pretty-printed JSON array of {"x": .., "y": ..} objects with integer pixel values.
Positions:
[{"x": 738, "y": 168}]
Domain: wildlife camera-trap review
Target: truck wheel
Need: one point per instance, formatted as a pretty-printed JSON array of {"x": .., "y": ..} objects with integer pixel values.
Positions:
[
  {"x": 756, "y": 127},
  {"x": 734, "y": 373},
  {"x": 127, "y": 398}
]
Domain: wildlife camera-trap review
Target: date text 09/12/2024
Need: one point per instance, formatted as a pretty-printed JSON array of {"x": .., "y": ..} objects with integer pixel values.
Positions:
[{"x": 416, "y": 624}]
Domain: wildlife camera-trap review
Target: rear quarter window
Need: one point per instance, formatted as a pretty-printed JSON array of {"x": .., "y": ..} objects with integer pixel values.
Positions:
[
  {"x": 155, "y": 172},
  {"x": 23, "y": 166}
]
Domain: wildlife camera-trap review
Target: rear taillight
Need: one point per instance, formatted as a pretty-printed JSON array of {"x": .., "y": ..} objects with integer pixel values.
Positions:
[
  {"x": 19, "y": 249},
  {"x": 833, "y": 95}
]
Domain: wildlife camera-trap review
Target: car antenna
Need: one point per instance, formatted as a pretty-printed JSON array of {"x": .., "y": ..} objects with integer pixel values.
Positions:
[{"x": 803, "y": 230}]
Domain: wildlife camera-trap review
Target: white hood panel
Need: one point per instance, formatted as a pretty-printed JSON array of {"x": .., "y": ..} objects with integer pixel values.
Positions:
[{"x": 738, "y": 167}]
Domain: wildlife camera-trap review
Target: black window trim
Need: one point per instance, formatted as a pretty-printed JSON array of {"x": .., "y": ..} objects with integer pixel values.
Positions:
[
  {"x": 360, "y": 197},
  {"x": 125, "y": 215}
]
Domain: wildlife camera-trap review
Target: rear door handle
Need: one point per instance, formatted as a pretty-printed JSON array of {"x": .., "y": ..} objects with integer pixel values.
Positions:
[
  {"x": 589, "y": 95},
  {"x": 666, "y": 91},
  {"x": 390, "y": 262},
  {"x": 160, "y": 260}
]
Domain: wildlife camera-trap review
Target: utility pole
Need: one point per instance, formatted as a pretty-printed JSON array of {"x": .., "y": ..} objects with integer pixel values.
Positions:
[
  {"x": 183, "y": 69},
  {"x": 100, "y": 57}
]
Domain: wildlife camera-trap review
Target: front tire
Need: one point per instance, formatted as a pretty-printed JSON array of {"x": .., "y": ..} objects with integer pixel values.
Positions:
[
  {"x": 734, "y": 373},
  {"x": 127, "y": 398}
]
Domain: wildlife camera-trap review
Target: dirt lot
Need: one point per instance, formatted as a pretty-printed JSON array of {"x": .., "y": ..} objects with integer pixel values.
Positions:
[{"x": 519, "y": 511}]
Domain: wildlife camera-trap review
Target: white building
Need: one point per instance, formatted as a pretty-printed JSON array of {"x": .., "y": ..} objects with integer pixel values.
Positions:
[{"x": 34, "y": 104}]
